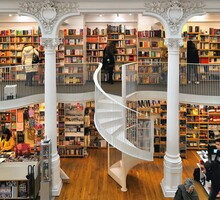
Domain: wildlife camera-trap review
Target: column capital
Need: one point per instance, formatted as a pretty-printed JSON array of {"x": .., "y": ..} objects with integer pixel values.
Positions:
[
  {"x": 173, "y": 42},
  {"x": 50, "y": 43}
]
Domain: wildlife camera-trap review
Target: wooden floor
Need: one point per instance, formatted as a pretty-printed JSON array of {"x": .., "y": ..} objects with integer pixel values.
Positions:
[{"x": 89, "y": 179}]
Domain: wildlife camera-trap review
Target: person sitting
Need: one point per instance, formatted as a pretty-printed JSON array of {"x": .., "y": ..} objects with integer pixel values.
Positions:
[
  {"x": 186, "y": 191},
  {"x": 7, "y": 143}
]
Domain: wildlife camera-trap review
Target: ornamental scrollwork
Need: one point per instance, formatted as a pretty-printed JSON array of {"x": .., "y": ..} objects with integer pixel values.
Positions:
[
  {"x": 50, "y": 43},
  {"x": 174, "y": 11},
  {"x": 48, "y": 12},
  {"x": 173, "y": 42}
]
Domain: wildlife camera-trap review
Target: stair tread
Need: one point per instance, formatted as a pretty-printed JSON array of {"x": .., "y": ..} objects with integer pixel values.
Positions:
[
  {"x": 102, "y": 110},
  {"x": 110, "y": 119},
  {"x": 112, "y": 130}
]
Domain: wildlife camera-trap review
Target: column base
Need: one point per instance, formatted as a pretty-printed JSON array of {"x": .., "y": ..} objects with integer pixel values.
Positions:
[
  {"x": 56, "y": 184},
  {"x": 172, "y": 175}
]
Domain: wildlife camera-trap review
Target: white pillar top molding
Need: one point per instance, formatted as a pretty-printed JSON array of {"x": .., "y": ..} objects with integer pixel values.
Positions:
[
  {"x": 50, "y": 43},
  {"x": 173, "y": 42},
  {"x": 174, "y": 13}
]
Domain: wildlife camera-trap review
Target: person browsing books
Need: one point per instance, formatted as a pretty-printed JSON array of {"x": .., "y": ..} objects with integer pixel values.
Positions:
[
  {"x": 27, "y": 58},
  {"x": 7, "y": 143},
  {"x": 192, "y": 62},
  {"x": 109, "y": 60}
]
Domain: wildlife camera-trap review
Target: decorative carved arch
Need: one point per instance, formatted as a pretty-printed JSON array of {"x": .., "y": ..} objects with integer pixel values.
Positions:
[
  {"x": 48, "y": 13},
  {"x": 174, "y": 13}
]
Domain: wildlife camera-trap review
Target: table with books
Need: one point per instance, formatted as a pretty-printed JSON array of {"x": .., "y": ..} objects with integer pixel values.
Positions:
[{"x": 14, "y": 178}]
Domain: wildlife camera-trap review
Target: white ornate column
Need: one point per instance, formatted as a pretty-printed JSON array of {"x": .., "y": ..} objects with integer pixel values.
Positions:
[
  {"x": 50, "y": 45},
  {"x": 172, "y": 159},
  {"x": 50, "y": 14},
  {"x": 173, "y": 14}
]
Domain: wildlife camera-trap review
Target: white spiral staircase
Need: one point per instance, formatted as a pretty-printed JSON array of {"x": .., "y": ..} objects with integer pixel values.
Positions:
[{"x": 111, "y": 120}]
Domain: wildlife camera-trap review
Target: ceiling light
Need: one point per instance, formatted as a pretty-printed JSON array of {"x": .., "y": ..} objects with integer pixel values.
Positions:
[
  {"x": 100, "y": 15},
  {"x": 119, "y": 19},
  {"x": 10, "y": 15}
]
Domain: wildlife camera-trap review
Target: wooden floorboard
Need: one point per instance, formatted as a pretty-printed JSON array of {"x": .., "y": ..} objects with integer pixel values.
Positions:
[{"x": 89, "y": 179}]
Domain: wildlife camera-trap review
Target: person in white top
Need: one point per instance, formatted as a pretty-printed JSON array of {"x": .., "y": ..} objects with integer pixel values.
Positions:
[{"x": 27, "y": 57}]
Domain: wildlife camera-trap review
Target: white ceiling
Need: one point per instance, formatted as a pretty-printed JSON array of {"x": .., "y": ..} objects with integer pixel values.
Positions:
[{"x": 106, "y": 17}]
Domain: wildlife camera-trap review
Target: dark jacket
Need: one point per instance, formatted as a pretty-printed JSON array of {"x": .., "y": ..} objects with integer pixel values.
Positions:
[
  {"x": 192, "y": 53},
  {"x": 213, "y": 171},
  {"x": 182, "y": 194},
  {"x": 108, "y": 57}
]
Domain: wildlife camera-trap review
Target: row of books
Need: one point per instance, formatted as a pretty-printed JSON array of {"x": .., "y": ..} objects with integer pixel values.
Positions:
[
  {"x": 151, "y": 33},
  {"x": 97, "y": 39},
  {"x": 74, "y": 52},
  {"x": 96, "y": 31},
  {"x": 68, "y": 32},
  {"x": 149, "y": 53},
  {"x": 70, "y": 70},
  {"x": 95, "y": 53},
  {"x": 123, "y": 58},
  {"x": 149, "y": 69},
  {"x": 13, "y": 32},
  {"x": 95, "y": 46},
  {"x": 76, "y": 41}
]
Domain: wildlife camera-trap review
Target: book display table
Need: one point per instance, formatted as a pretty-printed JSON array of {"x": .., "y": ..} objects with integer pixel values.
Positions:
[{"x": 14, "y": 182}]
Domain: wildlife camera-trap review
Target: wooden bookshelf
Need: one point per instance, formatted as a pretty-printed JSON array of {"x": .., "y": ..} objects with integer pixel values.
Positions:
[{"x": 151, "y": 50}]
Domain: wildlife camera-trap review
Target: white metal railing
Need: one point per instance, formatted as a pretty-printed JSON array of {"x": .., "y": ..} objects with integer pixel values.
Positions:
[
  {"x": 70, "y": 78},
  {"x": 13, "y": 81},
  {"x": 200, "y": 79},
  {"x": 77, "y": 78}
]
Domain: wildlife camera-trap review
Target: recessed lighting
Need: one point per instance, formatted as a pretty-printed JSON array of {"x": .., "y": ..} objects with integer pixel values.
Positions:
[
  {"x": 119, "y": 19},
  {"x": 100, "y": 15},
  {"x": 10, "y": 15},
  {"x": 130, "y": 14}
]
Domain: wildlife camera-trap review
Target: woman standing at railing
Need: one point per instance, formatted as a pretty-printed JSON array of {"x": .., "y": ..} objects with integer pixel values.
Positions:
[
  {"x": 109, "y": 60},
  {"x": 192, "y": 62},
  {"x": 27, "y": 58}
]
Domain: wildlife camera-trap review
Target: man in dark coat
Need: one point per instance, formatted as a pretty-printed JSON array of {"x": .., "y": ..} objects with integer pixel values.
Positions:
[
  {"x": 186, "y": 191},
  {"x": 109, "y": 60},
  {"x": 212, "y": 171},
  {"x": 192, "y": 61}
]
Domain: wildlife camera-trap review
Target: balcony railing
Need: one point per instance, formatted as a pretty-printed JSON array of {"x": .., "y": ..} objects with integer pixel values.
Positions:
[{"x": 195, "y": 79}]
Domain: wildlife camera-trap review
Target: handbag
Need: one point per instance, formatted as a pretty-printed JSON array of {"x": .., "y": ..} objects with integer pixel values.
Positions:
[{"x": 35, "y": 58}]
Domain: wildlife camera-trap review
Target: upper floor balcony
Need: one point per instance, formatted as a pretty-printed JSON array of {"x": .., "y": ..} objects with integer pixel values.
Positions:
[{"x": 195, "y": 80}]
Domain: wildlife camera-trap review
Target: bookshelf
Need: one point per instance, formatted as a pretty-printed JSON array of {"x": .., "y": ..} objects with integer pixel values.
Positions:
[
  {"x": 96, "y": 41},
  {"x": 207, "y": 41},
  {"x": 13, "y": 181},
  {"x": 71, "y": 129},
  {"x": 12, "y": 42},
  {"x": 151, "y": 50},
  {"x": 73, "y": 70},
  {"x": 158, "y": 109},
  {"x": 203, "y": 125}
]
